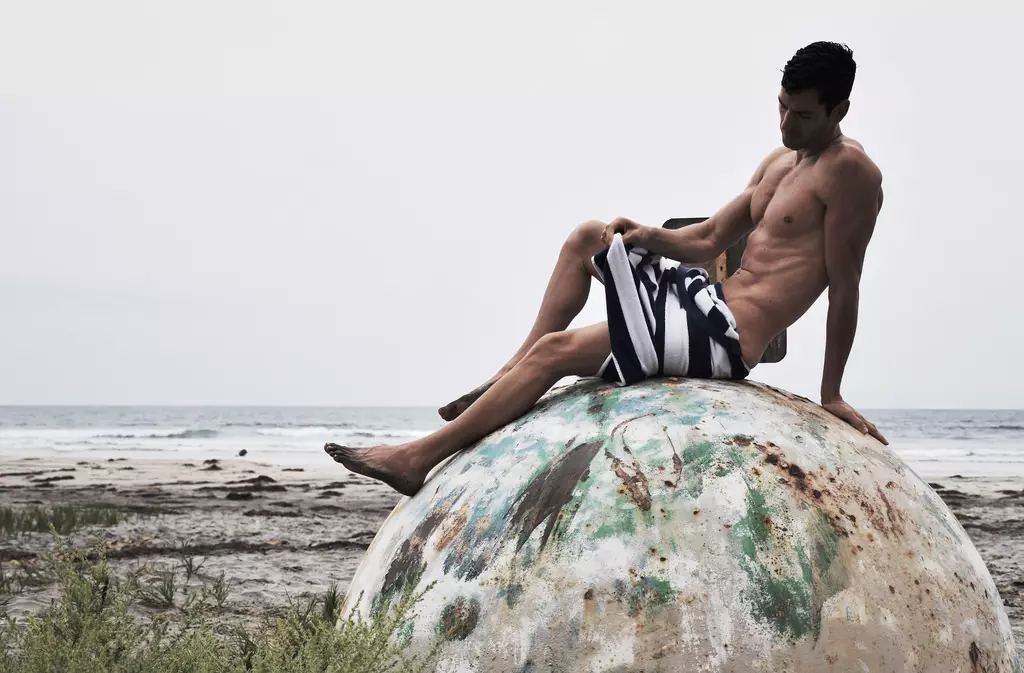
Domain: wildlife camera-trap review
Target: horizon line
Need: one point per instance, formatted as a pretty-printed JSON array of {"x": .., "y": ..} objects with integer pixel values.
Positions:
[{"x": 382, "y": 406}]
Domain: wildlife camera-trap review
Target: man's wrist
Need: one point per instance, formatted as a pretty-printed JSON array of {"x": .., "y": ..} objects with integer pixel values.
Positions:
[{"x": 647, "y": 237}]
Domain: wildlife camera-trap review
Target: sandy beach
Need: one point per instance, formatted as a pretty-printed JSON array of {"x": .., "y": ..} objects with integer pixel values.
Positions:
[{"x": 277, "y": 533}]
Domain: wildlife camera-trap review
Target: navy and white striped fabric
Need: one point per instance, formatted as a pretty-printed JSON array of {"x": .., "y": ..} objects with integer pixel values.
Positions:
[{"x": 664, "y": 319}]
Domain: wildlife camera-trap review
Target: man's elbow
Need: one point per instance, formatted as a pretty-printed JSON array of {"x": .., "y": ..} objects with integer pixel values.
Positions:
[{"x": 716, "y": 243}]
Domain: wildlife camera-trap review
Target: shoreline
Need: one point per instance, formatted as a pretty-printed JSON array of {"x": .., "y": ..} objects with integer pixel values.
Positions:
[{"x": 279, "y": 532}]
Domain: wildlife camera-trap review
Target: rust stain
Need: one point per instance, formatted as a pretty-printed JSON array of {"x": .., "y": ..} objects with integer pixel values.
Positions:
[
  {"x": 677, "y": 462},
  {"x": 897, "y": 518},
  {"x": 453, "y": 527},
  {"x": 635, "y": 482},
  {"x": 621, "y": 425},
  {"x": 877, "y": 507},
  {"x": 875, "y": 517},
  {"x": 742, "y": 440}
]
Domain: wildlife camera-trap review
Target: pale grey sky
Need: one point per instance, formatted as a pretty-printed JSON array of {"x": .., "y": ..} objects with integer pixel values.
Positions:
[{"x": 359, "y": 203}]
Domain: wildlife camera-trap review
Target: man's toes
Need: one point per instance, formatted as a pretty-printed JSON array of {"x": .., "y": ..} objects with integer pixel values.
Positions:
[{"x": 336, "y": 451}]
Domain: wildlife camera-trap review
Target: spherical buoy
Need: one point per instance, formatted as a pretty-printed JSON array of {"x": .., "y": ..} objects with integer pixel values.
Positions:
[{"x": 683, "y": 526}]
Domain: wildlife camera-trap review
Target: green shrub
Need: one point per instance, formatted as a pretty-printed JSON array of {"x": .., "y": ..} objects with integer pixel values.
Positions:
[
  {"x": 90, "y": 629},
  {"x": 63, "y": 518}
]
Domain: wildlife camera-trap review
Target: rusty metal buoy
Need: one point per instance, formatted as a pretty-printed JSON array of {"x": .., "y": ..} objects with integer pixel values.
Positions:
[{"x": 683, "y": 526}]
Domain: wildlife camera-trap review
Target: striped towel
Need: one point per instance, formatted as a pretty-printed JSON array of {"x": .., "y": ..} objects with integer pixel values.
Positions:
[{"x": 664, "y": 319}]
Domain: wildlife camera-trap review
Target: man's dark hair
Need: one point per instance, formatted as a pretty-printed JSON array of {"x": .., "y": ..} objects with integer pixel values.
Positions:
[{"x": 827, "y": 67}]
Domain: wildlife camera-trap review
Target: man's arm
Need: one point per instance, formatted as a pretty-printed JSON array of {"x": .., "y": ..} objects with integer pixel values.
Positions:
[
  {"x": 851, "y": 196},
  {"x": 706, "y": 240}
]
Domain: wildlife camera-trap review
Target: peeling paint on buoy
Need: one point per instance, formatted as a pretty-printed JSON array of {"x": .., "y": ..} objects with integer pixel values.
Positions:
[{"x": 684, "y": 526}]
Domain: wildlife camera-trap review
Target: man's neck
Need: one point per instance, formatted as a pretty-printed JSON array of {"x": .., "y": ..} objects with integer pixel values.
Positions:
[{"x": 814, "y": 151}]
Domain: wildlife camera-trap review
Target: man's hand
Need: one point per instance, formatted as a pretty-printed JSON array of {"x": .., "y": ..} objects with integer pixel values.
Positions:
[
  {"x": 839, "y": 407},
  {"x": 630, "y": 230}
]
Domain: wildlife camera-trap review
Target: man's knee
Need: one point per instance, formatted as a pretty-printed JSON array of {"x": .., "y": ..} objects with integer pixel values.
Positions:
[
  {"x": 585, "y": 239},
  {"x": 551, "y": 349}
]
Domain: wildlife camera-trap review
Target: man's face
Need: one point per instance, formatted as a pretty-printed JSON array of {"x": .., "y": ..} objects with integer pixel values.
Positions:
[{"x": 802, "y": 119}]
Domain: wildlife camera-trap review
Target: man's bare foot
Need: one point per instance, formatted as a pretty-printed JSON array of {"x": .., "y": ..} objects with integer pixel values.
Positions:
[
  {"x": 372, "y": 462},
  {"x": 453, "y": 410}
]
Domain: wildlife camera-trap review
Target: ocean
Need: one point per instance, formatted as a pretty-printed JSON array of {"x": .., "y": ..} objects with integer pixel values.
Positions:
[{"x": 935, "y": 443}]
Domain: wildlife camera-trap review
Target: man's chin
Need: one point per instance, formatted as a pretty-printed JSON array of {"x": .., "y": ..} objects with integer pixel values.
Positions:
[{"x": 789, "y": 143}]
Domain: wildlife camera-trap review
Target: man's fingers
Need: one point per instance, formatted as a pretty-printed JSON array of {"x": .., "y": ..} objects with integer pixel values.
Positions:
[
  {"x": 855, "y": 419},
  {"x": 876, "y": 434},
  {"x": 851, "y": 416}
]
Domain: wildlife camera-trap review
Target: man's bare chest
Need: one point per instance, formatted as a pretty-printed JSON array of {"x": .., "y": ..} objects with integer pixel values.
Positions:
[{"x": 785, "y": 203}]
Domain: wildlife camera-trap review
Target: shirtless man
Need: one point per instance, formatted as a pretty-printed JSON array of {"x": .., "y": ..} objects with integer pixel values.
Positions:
[{"x": 809, "y": 210}]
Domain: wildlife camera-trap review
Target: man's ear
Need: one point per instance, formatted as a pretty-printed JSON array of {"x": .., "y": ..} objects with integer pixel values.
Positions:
[{"x": 839, "y": 111}]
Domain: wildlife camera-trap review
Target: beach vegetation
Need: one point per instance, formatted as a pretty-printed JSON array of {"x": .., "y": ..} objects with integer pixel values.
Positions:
[
  {"x": 64, "y": 518},
  {"x": 95, "y": 625}
]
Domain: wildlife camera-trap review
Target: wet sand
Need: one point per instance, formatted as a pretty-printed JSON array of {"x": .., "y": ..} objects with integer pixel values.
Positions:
[{"x": 278, "y": 533}]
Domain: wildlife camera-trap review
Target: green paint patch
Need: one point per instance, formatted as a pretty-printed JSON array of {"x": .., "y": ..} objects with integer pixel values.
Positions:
[
  {"x": 458, "y": 619},
  {"x": 653, "y": 452},
  {"x": 697, "y": 461},
  {"x": 573, "y": 407},
  {"x": 487, "y": 453},
  {"x": 622, "y": 520},
  {"x": 646, "y": 593},
  {"x": 469, "y": 554},
  {"x": 405, "y": 632},
  {"x": 407, "y": 565},
  {"x": 828, "y": 576},
  {"x": 782, "y": 602},
  {"x": 826, "y": 544},
  {"x": 408, "y": 575},
  {"x": 635, "y": 405}
]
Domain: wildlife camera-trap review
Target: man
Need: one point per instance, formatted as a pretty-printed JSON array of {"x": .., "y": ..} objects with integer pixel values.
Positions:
[{"x": 809, "y": 210}]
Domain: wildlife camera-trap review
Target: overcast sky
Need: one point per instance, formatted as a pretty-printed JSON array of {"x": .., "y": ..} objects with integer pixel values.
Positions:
[{"x": 360, "y": 202}]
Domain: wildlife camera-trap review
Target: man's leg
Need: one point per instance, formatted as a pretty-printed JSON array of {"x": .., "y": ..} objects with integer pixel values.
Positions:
[
  {"x": 577, "y": 352},
  {"x": 565, "y": 296}
]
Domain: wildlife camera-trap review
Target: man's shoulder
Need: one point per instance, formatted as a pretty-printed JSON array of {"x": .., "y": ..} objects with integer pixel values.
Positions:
[
  {"x": 846, "y": 170},
  {"x": 848, "y": 160},
  {"x": 776, "y": 154},
  {"x": 766, "y": 163}
]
